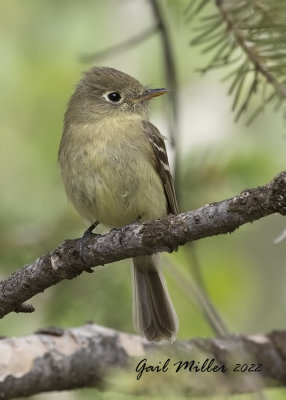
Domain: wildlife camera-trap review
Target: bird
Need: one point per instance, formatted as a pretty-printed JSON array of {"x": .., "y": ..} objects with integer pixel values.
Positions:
[{"x": 115, "y": 170}]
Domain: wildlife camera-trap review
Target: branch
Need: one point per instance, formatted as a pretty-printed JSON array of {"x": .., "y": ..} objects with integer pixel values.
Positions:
[
  {"x": 89, "y": 355},
  {"x": 170, "y": 70},
  {"x": 250, "y": 52},
  {"x": 120, "y": 47},
  {"x": 171, "y": 78},
  {"x": 75, "y": 256},
  {"x": 257, "y": 30}
]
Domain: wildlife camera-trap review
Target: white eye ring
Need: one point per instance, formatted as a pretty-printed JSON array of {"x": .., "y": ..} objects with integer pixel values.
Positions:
[{"x": 113, "y": 97}]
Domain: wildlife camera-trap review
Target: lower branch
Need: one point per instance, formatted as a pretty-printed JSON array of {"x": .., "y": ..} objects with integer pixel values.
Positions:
[
  {"x": 75, "y": 256},
  {"x": 94, "y": 356}
]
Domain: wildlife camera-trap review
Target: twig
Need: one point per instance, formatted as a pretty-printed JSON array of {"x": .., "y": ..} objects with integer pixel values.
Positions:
[
  {"x": 194, "y": 291},
  {"x": 118, "y": 48},
  {"x": 25, "y": 308},
  {"x": 174, "y": 130},
  {"x": 280, "y": 238},
  {"x": 171, "y": 77},
  {"x": 250, "y": 52},
  {"x": 75, "y": 256}
]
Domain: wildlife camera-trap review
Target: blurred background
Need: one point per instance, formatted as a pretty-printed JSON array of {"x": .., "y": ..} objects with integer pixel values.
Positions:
[{"x": 41, "y": 45}]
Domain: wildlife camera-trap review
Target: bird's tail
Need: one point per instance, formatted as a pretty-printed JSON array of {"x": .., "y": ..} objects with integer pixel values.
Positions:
[{"x": 154, "y": 315}]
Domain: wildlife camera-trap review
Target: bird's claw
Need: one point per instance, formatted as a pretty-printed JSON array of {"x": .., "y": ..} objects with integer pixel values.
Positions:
[{"x": 88, "y": 231}]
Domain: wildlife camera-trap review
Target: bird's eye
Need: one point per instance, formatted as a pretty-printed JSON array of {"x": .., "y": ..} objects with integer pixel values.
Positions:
[{"x": 114, "y": 97}]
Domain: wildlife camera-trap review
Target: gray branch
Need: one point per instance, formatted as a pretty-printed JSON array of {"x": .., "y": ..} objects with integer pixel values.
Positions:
[
  {"x": 120, "y": 47},
  {"x": 75, "y": 256},
  {"x": 94, "y": 356}
]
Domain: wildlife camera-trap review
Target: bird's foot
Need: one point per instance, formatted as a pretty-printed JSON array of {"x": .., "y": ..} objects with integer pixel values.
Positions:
[
  {"x": 138, "y": 220},
  {"x": 87, "y": 233}
]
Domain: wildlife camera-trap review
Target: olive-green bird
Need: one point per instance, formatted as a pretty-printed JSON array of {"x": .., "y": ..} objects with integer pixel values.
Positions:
[{"x": 115, "y": 170}]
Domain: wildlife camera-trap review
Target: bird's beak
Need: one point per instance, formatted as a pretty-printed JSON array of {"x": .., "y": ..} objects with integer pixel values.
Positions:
[{"x": 149, "y": 94}]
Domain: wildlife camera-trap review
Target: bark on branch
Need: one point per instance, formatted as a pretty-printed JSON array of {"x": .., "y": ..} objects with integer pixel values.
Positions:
[
  {"x": 94, "y": 356},
  {"x": 75, "y": 256}
]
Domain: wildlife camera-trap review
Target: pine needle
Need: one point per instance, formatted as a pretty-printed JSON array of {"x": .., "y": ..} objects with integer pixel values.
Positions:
[{"x": 255, "y": 28}]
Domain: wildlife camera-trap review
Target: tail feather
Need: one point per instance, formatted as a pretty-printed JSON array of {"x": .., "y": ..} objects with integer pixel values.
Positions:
[{"x": 153, "y": 313}]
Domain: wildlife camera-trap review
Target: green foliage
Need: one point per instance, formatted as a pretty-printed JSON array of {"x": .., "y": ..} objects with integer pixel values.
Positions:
[{"x": 249, "y": 36}]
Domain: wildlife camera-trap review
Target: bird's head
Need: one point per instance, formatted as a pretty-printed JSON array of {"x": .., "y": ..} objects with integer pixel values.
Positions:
[{"x": 105, "y": 91}]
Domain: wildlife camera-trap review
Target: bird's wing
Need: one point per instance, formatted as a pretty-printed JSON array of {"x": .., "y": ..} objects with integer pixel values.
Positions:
[{"x": 161, "y": 163}]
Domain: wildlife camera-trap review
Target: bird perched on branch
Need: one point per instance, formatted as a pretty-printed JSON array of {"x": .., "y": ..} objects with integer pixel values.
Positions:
[{"x": 115, "y": 170}]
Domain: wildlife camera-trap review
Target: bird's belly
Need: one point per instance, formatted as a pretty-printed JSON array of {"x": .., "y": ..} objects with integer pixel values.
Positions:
[
  {"x": 116, "y": 195},
  {"x": 117, "y": 190}
]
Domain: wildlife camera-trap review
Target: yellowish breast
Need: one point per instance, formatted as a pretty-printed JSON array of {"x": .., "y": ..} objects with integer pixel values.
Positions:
[{"x": 108, "y": 172}]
